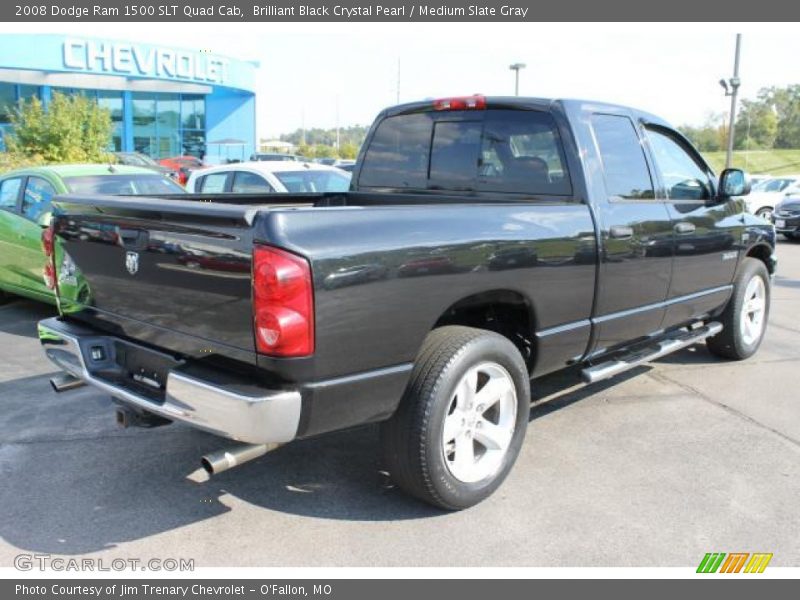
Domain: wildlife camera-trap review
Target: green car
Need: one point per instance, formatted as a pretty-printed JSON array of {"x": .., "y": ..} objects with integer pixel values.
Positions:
[{"x": 25, "y": 208}]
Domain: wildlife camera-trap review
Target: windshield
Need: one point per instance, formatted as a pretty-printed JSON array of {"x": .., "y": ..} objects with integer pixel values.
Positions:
[
  {"x": 127, "y": 184},
  {"x": 137, "y": 160},
  {"x": 774, "y": 185},
  {"x": 314, "y": 181}
]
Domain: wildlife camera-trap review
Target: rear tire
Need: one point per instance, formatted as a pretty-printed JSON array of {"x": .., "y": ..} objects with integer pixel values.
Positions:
[
  {"x": 462, "y": 420},
  {"x": 744, "y": 320},
  {"x": 4, "y": 297}
]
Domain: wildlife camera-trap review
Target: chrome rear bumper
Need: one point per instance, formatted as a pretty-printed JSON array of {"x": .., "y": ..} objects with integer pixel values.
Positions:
[{"x": 239, "y": 411}]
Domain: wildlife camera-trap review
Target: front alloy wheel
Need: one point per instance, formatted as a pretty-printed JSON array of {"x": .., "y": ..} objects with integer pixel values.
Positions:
[
  {"x": 744, "y": 320},
  {"x": 753, "y": 310}
]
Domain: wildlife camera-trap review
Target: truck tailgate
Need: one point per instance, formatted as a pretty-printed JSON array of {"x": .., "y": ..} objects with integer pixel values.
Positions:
[{"x": 173, "y": 273}]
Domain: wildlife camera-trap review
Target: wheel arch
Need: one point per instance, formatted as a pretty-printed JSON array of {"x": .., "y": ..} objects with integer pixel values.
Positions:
[
  {"x": 764, "y": 253},
  {"x": 504, "y": 311}
]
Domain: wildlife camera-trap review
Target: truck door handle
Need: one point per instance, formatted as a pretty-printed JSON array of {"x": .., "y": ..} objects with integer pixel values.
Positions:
[
  {"x": 620, "y": 232},
  {"x": 684, "y": 227}
]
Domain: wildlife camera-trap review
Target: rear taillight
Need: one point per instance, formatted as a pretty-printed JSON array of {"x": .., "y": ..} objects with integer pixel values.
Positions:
[
  {"x": 283, "y": 303},
  {"x": 48, "y": 247},
  {"x": 48, "y": 236},
  {"x": 49, "y": 276},
  {"x": 460, "y": 103}
]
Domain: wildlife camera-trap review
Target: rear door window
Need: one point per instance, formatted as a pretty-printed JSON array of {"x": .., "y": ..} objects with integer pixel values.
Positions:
[
  {"x": 624, "y": 165},
  {"x": 245, "y": 182},
  {"x": 9, "y": 193},
  {"x": 214, "y": 183}
]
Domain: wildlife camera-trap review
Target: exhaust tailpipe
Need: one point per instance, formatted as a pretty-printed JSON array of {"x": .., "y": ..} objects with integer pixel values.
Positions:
[
  {"x": 220, "y": 461},
  {"x": 65, "y": 381}
]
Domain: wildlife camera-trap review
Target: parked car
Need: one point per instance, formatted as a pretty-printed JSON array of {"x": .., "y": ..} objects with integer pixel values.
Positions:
[
  {"x": 275, "y": 156},
  {"x": 345, "y": 165},
  {"x": 137, "y": 159},
  {"x": 25, "y": 208},
  {"x": 183, "y": 166},
  {"x": 262, "y": 177},
  {"x": 763, "y": 198},
  {"x": 757, "y": 180},
  {"x": 786, "y": 217},
  {"x": 494, "y": 296}
]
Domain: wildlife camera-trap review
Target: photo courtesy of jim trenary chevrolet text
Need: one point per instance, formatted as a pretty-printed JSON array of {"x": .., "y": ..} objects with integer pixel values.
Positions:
[{"x": 397, "y": 299}]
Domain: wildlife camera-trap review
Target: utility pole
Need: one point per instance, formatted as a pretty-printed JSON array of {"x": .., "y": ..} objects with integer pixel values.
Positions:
[
  {"x": 398, "y": 81},
  {"x": 516, "y": 68},
  {"x": 732, "y": 89},
  {"x": 303, "y": 126},
  {"x": 337, "y": 124}
]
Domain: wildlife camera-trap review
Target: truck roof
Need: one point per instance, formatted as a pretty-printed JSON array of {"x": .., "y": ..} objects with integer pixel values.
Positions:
[{"x": 535, "y": 103}]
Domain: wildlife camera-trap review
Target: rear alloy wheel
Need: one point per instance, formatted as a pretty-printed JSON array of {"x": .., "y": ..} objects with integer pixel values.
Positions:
[
  {"x": 480, "y": 423},
  {"x": 744, "y": 320},
  {"x": 462, "y": 420}
]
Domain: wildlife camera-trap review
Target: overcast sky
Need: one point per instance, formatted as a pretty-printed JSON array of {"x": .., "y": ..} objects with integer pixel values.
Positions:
[{"x": 668, "y": 69}]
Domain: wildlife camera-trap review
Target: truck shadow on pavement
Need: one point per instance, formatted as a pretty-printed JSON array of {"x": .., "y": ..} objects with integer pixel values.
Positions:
[
  {"x": 74, "y": 484},
  {"x": 19, "y": 316}
]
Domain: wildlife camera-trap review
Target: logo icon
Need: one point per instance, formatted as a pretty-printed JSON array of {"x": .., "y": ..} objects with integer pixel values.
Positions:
[
  {"x": 734, "y": 562},
  {"x": 132, "y": 262}
]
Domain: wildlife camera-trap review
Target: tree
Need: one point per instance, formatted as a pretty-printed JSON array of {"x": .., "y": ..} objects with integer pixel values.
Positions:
[
  {"x": 756, "y": 126},
  {"x": 69, "y": 129},
  {"x": 348, "y": 150},
  {"x": 709, "y": 137},
  {"x": 786, "y": 104}
]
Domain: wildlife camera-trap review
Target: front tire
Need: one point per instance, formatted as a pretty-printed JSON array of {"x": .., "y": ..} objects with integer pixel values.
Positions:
[
  {"x": 744, "y": 320},
  {"x": 462, "y": 420}
]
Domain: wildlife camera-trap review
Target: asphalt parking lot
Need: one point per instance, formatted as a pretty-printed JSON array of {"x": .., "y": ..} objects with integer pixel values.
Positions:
[{"x": 687, "y": 456}]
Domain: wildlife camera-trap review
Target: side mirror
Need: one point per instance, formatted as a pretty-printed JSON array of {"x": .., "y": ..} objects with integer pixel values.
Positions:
[{"x": 733, "y": 182}]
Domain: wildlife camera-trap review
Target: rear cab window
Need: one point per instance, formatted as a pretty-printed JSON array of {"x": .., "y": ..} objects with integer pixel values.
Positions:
[
  {"x": 245, "y": 182},
  {"x": 509, "y": 151}
]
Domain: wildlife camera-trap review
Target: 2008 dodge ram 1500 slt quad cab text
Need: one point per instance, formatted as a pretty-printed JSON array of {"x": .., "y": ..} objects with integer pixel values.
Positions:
[{"x": 484, "y": 242}]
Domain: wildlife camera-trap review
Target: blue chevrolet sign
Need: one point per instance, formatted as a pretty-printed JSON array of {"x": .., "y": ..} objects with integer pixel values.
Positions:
[
  {"x": 55, "y": 53},
  {"x": 122, "y": 58}
]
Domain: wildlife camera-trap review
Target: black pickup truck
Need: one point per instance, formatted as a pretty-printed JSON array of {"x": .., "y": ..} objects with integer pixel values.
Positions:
[{"x": 484, "y": 242}]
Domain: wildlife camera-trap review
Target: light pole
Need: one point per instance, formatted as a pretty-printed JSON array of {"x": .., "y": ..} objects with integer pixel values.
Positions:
[
  {"x": 516, "y": 68},
  {"x": 731, "y": 87}
]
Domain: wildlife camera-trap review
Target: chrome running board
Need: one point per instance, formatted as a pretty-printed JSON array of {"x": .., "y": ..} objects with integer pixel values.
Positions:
[{"x": 649, "y": 352}]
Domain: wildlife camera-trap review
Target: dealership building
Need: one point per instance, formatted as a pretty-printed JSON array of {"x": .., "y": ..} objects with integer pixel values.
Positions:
[{"x": 163, "y": 101}]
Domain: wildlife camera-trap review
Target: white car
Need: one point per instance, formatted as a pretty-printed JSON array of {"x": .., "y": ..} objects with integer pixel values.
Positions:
[
  {"x": 267, "y": 177},
  {"x": 765, "y": 195}
]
